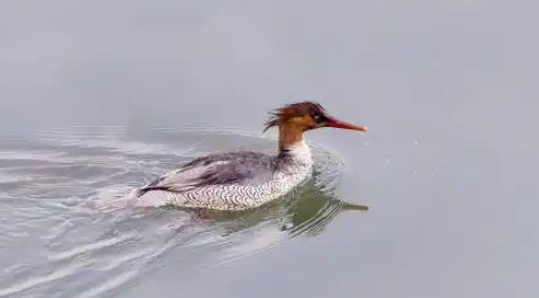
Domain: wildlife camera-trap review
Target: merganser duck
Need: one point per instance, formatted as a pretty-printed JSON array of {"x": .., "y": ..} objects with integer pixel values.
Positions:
[{"x": 245, "y": 179}]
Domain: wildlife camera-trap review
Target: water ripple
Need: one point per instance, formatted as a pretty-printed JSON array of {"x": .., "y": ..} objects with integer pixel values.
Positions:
[{"x": 51, "y": 235}]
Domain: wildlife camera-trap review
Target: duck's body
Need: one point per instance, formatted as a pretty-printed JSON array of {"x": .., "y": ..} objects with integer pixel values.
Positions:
[
  {"x": 230, "y": 181},
  {"x": 245, "y": 179}
]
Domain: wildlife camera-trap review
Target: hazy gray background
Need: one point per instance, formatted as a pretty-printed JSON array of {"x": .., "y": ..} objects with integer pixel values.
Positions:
[{"x": 447, "y": 88}]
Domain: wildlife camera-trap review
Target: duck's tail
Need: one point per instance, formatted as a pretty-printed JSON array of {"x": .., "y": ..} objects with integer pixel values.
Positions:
[{"x": 112, "y": 202}]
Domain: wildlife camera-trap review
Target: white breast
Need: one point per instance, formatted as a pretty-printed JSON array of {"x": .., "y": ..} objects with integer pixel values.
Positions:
[
  {"x": 300, "y": 153},
  {"x": 297, "y": 170}
]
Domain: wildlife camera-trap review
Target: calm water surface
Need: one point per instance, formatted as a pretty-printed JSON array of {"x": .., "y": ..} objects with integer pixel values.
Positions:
[{"x": 98, "y": 97}]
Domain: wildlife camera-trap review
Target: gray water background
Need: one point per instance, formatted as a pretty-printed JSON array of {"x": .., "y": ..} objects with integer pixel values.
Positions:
[{"x": 448, "y": 168}]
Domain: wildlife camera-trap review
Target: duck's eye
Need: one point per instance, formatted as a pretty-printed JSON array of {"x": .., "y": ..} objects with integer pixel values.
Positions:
[{"x": 317, "y": 118}]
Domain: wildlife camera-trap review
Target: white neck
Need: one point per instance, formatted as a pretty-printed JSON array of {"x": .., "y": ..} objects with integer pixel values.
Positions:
[{"x": 300, "y": 152}]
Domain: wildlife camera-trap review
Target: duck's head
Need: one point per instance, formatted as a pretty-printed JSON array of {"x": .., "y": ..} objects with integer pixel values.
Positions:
[{"x": 306, "y": 115}]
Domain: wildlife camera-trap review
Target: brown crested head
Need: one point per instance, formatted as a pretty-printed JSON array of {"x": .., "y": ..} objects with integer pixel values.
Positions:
[{"x": 305, "y": 116}]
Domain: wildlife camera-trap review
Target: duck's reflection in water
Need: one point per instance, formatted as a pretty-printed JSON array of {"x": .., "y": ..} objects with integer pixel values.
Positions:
[
  {"x": 307, "y": 210},
  {"x": 206, "y": 238}
]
